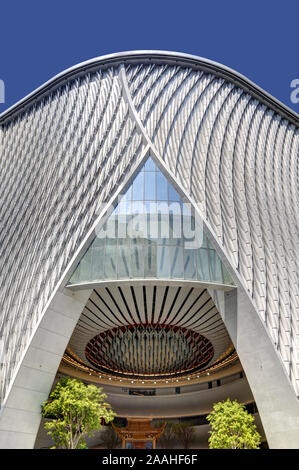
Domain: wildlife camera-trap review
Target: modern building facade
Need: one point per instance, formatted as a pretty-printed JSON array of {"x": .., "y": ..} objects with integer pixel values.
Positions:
[{"x": 149, "y": 243}]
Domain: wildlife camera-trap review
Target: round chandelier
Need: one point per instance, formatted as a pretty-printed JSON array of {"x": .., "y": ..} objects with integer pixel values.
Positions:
[{"x": 147, "y": 351}]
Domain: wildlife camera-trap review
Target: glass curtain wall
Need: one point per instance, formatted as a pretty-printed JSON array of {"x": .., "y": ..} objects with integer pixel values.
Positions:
[{"x": 151, "y": 233}]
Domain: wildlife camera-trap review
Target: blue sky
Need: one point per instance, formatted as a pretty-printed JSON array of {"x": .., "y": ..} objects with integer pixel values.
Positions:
[{"x": 257, "y": 38}]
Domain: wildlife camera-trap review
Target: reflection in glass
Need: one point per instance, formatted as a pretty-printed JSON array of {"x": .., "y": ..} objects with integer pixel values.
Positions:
[
  {"x": 150, "y": 165},
  {"x": 110, "y": 259},
  {"x": 151, "y": 234},
  {"x": 137, "y": 258},
  {"x": 138, "y": 186},
  {"x": 190, "y": 264},
  {"x": 173, "y": 195},
  {"x": 163, "y": 257},
  {"x": 123, "y": 261},
  {"x": 150, "y": 186},
  {"x": 177, "y": 264},
  {"x": 150, "y": 260},
  {"x": 215, "y": 263},
  {"x": 162, "y": 193},
  {"x": 203, "y": 264}
]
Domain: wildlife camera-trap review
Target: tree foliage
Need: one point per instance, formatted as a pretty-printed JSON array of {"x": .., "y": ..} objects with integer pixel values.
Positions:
[
  {"x": 109, "y": 438},
  {"x": 75, "y": 411},
  {"x": 232, "y": 427},
  {"x": 167, "y": 438},
  {"x": 174, "y": 433},
  {"x": 185, "y": 433}
]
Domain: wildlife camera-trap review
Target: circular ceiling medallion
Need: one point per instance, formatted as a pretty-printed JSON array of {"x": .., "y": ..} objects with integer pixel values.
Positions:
[{"x": 147, "y": 351}]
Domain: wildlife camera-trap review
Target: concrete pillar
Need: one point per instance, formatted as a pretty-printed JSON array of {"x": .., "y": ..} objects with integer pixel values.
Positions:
[
  {"x": 21, "y": 414},
  {"x": 274, "y": 395}
]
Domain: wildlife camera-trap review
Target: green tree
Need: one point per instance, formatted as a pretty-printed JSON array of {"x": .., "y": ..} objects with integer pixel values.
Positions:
[
  {"x": 185, "y": 433},
  {"x": 232, "y": 427},
  {"x": 75, "y": 411},
  {"x": 109, "y": 438},
  {"x": 167, "y": 438}
]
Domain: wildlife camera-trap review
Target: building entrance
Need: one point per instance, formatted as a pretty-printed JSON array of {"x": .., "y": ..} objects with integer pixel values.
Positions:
[{"x": 139, "y": 434}]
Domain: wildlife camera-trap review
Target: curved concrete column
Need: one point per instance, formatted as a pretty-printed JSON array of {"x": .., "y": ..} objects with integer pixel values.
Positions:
[
  {"x": 274, "y": 396},
  {"x": 21, "y": 414}
]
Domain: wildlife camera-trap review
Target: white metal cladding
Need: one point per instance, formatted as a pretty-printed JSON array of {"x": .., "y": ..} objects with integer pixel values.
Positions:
[{"x": 65, "y": 149}]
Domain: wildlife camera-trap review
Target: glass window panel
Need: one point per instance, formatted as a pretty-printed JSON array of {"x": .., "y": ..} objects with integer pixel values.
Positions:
[
  {"x": 225, "y": 276},
  {"x": 150, "y": 260},
  {"x": 203, "y": 264},
  {"x": 150, "y": 165},
  {"x": 122, "y": 242},
  {"x": 142, "y": 225},
  {"x": 99, "y": 241},
  {"x": 122, "y": 226},
  {"x": 137, "y": 226},
  {"x": 176, "y": 262},
  {"x": 124, "y": 207},
  {"x": 150, "y": 207},
  {"x": 163, "y": 207},
  {"x": 138, "y": 185},
  {"x": 190, "y": 263},
  {"x": 215, "y": 267},
  {"x": 175, "y": 208},
  {"x": 159, "y": 243},
  {"x": 161, "y": 187},
  {"x": 187, "y": 209},
  {"x": 163, "y": 228},
  {"x": 198, "y": 236},
  {"x": 123, "y": 260},
  {"x": 175, "y": 229},
  {"x": 173, "y": 195},
  {"x": 167, "y": 225},
  {"x": 97, "y": 261},
  {"x": 204, "y": 241},
  {"x": 209, "y": 244},
  {"x": 85, "y": 267},
  {"x": 128, "y": 194},
  {"x": 110, "y": 259},
  {"x": 137, "y": 207},
  {"x": 75, "y": 276},
  {"x": 130, "y": 207},
  {"x": 136, "y": 256},
  {"x": 111, "y": 227},
  {"x": 188, "y": 228},
  {"x": 114, "y": 211},
  {"x": 163, "y": 262},
  {"x": 152, "y": 226},
  {"x": 150, "y": 186}
]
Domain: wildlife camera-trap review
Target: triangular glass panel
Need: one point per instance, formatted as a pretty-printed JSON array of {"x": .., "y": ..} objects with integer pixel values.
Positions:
[{"x": 151, "y": 233}]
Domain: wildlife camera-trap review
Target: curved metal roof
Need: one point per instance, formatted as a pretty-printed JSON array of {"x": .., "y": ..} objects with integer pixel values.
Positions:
[{"x": 148, "y": 56}]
